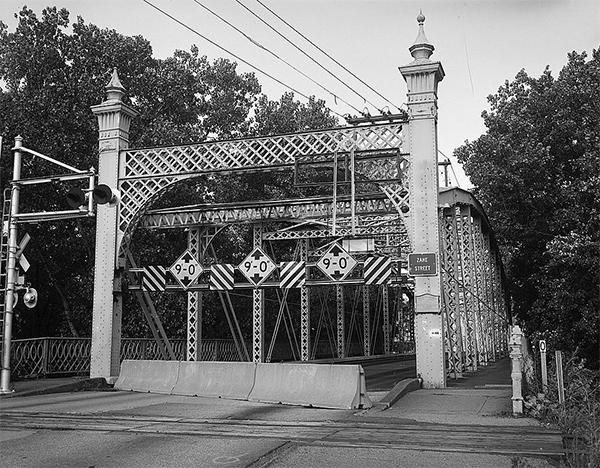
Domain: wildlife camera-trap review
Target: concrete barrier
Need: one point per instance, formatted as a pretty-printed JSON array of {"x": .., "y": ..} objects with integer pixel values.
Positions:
[
  {"x": 321, "y": 385},
  {"x": 148, "y": 376},
  {"x": 233, "y": 380}
]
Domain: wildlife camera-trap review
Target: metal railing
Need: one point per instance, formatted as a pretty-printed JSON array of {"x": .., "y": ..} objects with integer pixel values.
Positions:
[{"x": 38, "y": 357}]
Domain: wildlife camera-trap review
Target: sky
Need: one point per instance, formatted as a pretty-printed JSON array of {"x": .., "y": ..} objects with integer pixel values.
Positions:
[{"x": 480, "y": 44}]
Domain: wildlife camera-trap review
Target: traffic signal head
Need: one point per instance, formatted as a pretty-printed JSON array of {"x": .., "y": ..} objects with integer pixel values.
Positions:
[
  {"x": 104, "y": 194},
  {"x": 30, "y": 298},
  {"x": 76, "y": 198}
]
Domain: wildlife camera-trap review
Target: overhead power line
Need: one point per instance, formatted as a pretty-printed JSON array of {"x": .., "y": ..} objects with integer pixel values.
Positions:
[
  {"x": 320, "y": 50},
  {"x": 260, "y": 46},
  {"x": 234, "y": 55}
]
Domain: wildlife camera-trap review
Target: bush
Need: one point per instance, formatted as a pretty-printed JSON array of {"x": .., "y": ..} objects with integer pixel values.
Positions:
[{"x": 578, "y": 418}]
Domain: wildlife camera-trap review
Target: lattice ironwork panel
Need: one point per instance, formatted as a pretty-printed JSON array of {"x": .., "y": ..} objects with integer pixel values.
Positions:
[
  {"x": 194, "y": 302},
  {"x": 467, "y": 267},
  {"x": 488, "y": 296},
  {"x": 385, "y": 298},
  {"x": 340, "y": 320},
  {"x": 147, "y": 172},
  {"x": 316, "y": 209},
  {"x": 478, "y": 285},
  {"x": 366, "y": 296},
  {"x": 450, "y": 285},
  {"x": 304, "y": 309}
]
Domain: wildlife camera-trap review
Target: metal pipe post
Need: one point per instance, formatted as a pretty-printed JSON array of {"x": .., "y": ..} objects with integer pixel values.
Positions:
[{"x": 11, "y": 269}]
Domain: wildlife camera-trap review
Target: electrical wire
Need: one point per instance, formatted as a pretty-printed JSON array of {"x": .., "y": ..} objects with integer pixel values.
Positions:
[
  {"x": 260, "y": 46},
  {"x": 323, "y": 52},
  {"x": 365, "y": 114},
  {"x": 234, "y": 55}
]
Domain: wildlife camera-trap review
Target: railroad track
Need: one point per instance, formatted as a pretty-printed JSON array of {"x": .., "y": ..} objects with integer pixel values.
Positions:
[{"x": 354, "y": 432}]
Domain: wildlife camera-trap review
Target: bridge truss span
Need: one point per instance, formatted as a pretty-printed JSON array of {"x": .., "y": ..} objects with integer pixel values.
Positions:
[{"x": 146, "y": 173}]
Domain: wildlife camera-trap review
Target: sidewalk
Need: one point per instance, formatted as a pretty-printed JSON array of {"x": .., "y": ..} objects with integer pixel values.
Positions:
[{"x": 31, "y": 387}]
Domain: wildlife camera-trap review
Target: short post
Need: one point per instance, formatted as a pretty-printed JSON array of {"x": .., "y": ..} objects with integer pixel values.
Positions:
[
  {"x": 516, "y": 375},
  {"x": 544, "y": 366},
  {"x": 559, "y": 377}
]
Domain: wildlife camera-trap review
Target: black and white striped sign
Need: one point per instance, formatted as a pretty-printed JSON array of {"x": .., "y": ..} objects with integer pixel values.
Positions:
[
  {"x": 378, "y": 270},
  {"x": 154, "y": 278},
  {"x": 292, "y": 274},
  {"x": 221, "y": 277}
]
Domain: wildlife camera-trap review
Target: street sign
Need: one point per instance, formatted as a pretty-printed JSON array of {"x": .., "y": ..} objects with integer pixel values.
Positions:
[
  {"x": 186, "y": 269},
  {"x": 257, "y": 266},
  {"x": 422, "y": 264},
  {"x": 336, "y": 263},
  {"x": 542, "y": 346}
]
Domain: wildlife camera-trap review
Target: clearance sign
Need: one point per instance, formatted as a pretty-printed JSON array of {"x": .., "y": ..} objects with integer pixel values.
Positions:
[{"x": 422, "y": 264}]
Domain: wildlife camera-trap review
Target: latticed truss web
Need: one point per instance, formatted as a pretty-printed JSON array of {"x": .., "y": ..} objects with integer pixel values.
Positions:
[{"x": 148, "y": 172}]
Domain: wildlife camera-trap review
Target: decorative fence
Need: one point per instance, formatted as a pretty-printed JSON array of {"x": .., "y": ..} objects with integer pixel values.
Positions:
[{"x": 47, "y": 356}]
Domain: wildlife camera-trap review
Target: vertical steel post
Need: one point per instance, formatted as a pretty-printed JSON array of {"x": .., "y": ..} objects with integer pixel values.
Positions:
[
  {"x": 386, "y": 318},
  {"x": 304, "y": 308},
  {"x": 194, "y": 303},
  {"x": 341, "y": 322},
  {"x": 258, "y": 308},
  {"x": 114, "y": 119},
  {"x": 366, "y": 319},
  {"x": 422, "y": 77},
  {"x": 11, "y": 269}
]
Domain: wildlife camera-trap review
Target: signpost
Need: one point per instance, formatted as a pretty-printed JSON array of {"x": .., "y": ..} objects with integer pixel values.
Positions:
[
  {"x": 544, "y": 366},
  {"x": 336, "y": 263}
]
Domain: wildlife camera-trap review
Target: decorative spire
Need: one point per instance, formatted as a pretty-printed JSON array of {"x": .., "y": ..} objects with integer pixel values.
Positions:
[
  {"x": 114, "y": 89},
  {"x": 422, "y": 48}
]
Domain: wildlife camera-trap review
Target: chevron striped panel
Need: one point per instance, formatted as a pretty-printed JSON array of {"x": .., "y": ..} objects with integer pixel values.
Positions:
[
  {"x": 378, "y": 270},
  {"x": 154, "y": 278},
  {"x": 292, "y": 274},
  {"x": 221, "y": 277}
]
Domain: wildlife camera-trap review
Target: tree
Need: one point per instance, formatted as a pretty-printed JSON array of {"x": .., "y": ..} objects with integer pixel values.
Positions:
[
  {"x": 182, "y": 99},
  {"x": 536, "y": 170},
  {"x": 47, "y": 100}
]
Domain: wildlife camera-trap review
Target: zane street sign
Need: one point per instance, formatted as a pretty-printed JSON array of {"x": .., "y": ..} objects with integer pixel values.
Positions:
[{"x": 422, "y": 264}]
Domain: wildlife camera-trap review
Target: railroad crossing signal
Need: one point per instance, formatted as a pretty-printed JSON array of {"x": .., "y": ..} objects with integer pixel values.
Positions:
[
  {"x": 257, "y": 266},
  {"x": 186, "y": 269},
  {"x": 336, "y": 263}
]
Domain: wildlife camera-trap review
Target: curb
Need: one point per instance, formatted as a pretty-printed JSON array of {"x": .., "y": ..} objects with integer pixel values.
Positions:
[
  {"x": 97, "y": 383},
  {"x": 401, "y": 389}
]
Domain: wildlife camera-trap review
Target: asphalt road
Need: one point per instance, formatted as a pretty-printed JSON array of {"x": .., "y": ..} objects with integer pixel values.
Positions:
[{"x": 95, "y": 429}]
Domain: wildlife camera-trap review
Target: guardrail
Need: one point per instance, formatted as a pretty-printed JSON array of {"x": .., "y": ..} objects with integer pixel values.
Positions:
[{"x": 37, "y": 357}]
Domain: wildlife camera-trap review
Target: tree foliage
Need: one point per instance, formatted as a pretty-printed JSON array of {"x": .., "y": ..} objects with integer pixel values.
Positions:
[
  {"x": 537, "y": 172},
  {"x": 49, "y": 78}
]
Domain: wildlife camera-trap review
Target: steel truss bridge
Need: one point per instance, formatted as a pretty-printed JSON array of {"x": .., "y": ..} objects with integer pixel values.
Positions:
[
  {"x": 376, "y": 210},
  {"x": 375, "y": 193}
]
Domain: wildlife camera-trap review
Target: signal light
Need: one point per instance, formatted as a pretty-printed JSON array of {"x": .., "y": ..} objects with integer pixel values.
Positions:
[
  {"x": 30, "y": 298},
  {"x": 76, "y": 198},
  {"x": 104, "y": 194}
]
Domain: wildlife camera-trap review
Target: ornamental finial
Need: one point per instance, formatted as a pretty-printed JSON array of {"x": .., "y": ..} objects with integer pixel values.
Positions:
[
  {"x": 114, "y": 89},
  {"x": 422, "y": 48}
]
